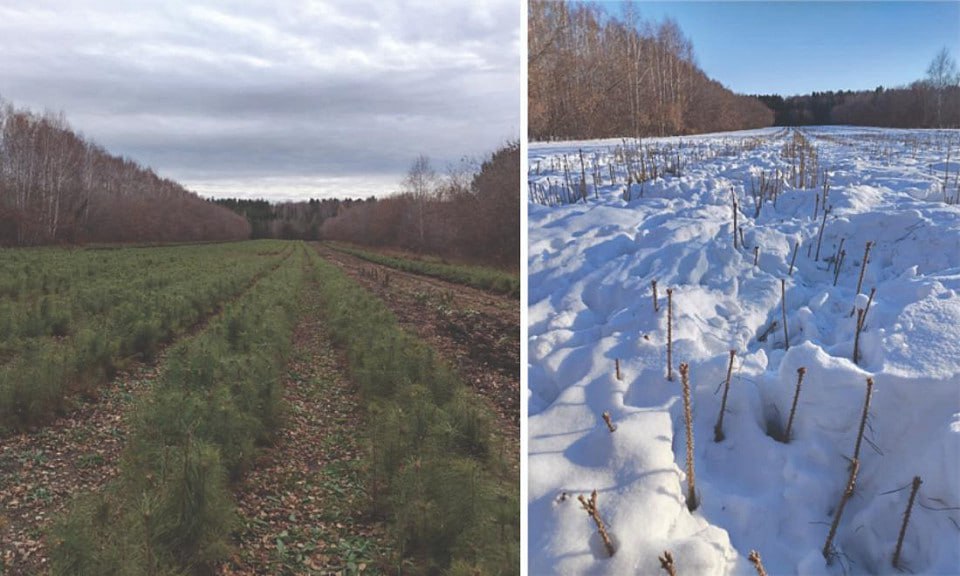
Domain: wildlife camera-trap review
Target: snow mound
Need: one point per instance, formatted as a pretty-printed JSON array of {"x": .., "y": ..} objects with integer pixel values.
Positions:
[{"x": 591, "y": 304}]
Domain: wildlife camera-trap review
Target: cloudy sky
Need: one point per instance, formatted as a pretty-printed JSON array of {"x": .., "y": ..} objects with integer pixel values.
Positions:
[{"x": 271, "y": 99}]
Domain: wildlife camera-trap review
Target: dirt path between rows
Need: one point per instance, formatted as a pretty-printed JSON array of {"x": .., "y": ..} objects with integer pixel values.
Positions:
[
  {"x": 475, "y": 331},
  {"x": 302, "y": 506}
]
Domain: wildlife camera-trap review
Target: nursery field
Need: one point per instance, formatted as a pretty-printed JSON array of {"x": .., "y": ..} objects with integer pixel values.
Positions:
[
  {"x": 745, "y": 342},
  {"x": 235, "y": 408},
  {"x": 70, "y": 318},
  {"x": 490, "y": 279},
  {"x": 474, "y": 329}
]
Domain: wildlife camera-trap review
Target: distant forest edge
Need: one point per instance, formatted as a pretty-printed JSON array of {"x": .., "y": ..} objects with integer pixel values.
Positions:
[
  {"x": 57, "y": 187},
  {"x": 469, "y": 215},
  {"x": 593, "y": 75},
  {"x": 912, "y": 107}
]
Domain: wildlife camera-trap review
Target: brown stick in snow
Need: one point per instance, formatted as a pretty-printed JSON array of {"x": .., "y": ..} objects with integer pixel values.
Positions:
[
  {"x": 591, "y": 508},
  {"x": 718, "y": 429}
]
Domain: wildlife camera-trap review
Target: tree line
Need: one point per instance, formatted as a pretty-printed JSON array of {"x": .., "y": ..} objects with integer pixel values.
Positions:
[
  {"x": 289, "y": 220},
  {"x": 595, "y": 76},
  {"x": 57, "y": 187},
  {"x": 469, "y": 213},
  {"x": 465, "y": 215},
  {"x": 933, "y": 102}
]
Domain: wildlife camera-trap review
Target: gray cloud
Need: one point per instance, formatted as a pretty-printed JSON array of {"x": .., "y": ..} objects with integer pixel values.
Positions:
[{"x": 267, "y": 98}]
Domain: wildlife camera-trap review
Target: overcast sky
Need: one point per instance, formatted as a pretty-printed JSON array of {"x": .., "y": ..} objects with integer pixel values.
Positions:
[{"x": 272, "y": 99}]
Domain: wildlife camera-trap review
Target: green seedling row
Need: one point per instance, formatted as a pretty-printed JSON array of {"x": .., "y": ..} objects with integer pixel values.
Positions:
[
  {"x": 434, "y": 464},
  {"x": 488, "y": 279},
  {"x": 69, "y": 319},
  {"x": 219, "y": 399}
]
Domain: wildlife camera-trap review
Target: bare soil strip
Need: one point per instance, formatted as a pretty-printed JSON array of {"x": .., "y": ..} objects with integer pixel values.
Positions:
[{"x": 303, "y": 505}]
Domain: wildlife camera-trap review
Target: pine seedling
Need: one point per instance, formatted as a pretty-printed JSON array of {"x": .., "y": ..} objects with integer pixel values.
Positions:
[
  {"x": 609, "y": 422},
  {"x": 666, "y": 562},
  {"x": 783, "y": 308},
  {"x": 692, "y": 502},
  {"x": 656, "y": 303},
  {"x": 856, "y": 337},
  {"x": 591, "y": 508},
  {"x": 670, "y": 334},
  {"x": 743, "y": 242},
  {"x": 828, "y": 552},
  {"x": 756, "y": 255},
  {"x": 863, "y": 419},
  {"x": 793, "y": 259},
  {"x": 754, "y": 558},
  {"x": 793, "y": 408},
  {"x": 718, "y": 429},
  {"x": 906, "y": 519}
]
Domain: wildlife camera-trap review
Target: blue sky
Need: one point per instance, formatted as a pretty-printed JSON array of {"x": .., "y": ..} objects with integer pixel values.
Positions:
[{"x": 799, "y": 47}]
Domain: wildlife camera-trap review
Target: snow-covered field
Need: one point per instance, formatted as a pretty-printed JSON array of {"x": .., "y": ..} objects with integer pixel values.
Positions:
[{"x": 590, "y": 270}]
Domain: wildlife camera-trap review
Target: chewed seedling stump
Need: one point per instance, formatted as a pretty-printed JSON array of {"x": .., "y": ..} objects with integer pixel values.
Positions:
[
  {"x": 793, "y": 407},
  {"x": 856, "y": 337},
  {"x": 670, "y": 334},
  {"x": 906, "y": 519},
  {"x": 828, "y": 552},
  {"x": 609, "y": 422},
  {"x": 718, "y": 435},
  {"x": 793, "y": 259},
  {"x": 863, "y": 418},
  {"x": 692, "y": 500},
  {"x": 666, "y": 563},
  {"x": 754, "y": 558},
  {"x": 783, "y": 307},
  {"x": 591, "y": 508}
]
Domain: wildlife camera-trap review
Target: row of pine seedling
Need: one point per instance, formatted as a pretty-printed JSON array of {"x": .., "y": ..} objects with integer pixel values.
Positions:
[
  {"x": 774, "y": 429},
  {"x": 632, "y": 164},
  {"x": 217, "y": 401},
  {"x": 59, "y": 346},
  {"x": 436, "y": 470}
]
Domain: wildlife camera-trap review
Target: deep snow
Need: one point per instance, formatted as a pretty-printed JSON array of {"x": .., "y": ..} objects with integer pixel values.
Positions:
[{"x": 590, "y": 302}]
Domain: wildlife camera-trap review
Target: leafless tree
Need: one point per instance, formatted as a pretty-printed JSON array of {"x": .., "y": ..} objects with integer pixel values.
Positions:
[
  {"x": 592, "y": 75},
  {"x": 57, "y": 187},
  {"x": 420, "y": 183},
  {"x": 942, "y": 74}
]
